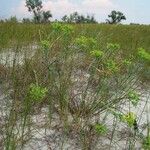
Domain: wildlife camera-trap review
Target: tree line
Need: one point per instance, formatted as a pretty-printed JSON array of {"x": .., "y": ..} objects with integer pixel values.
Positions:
[{"x": 40, "y": 16}]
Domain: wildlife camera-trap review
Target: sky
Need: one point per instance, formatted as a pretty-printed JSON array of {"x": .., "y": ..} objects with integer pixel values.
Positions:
[{"x": 136, "y": 11}]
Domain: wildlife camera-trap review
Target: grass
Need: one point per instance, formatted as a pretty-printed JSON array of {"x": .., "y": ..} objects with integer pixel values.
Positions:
[
  {"x": 84, "y": 75},
  {"x": 130, "y": 37}
]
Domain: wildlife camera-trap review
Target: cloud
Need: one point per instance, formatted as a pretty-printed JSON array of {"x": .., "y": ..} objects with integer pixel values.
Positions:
[
  {"x": 21, "y": 10},
  {"x": 62, "y": 7},
  {"x": 97, "y": 5},
  {"x": 99, "y": 8}
]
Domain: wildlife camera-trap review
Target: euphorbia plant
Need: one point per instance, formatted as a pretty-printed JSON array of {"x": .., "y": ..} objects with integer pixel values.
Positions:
[{"x": 37, "y": 93}]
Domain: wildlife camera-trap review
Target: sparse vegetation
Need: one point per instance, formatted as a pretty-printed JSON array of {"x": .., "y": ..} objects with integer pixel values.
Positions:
[{"x": 82, "y": 85}]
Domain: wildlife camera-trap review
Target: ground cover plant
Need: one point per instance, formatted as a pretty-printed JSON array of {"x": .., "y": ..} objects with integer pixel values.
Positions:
[{"x": 74, "y": 86}]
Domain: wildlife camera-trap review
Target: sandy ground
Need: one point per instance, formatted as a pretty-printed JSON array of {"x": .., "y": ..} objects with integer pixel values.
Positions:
[{"x": 45, "y": 137}]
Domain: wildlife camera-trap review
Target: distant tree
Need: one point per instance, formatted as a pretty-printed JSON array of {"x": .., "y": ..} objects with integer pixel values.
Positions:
[
  {"x": 26, "y": 20},
  {"x": 56, "y": 20},
  {"x": 64, "y": 18},
  {"x": 77, "y": 18},
  {"x": 90, "y": 19},
  {"x": 81, "y": 19},
  {"x": 2, "y": 21},
  {"x": 134, "y": 24},
  {"x": 115, "y": 17},
  {"x": 12, "y": 19},
  {"x": 46, "y": 16},
  {"x": 35, "y": 6}
]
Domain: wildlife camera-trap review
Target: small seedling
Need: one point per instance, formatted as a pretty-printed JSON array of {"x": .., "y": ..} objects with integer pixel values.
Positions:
[
  {"x": 113, "y": 47},
  {"x": 127, "y": 62},
  {"x": 118, "y": 115},
  {"x": 37, "y": 93},
  {"x": 146, "y": 143},
  {"x": 129, "y": 118},
  {"x": 100, "y": 129},
  {"x": 97, "y": 53},
  {"x": 133, "y": 97},
  {"x": 112, "y": 66},
  {"x": 45, "y": 44}
]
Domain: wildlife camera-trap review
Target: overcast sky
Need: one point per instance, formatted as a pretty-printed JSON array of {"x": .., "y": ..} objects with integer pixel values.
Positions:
[{"x": 136, "y": 11}]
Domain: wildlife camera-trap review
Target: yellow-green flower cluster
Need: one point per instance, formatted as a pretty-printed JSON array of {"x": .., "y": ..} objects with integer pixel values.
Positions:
[
  {"x": 37, "y": 93},
  {"x": 143, "y": 55},
  {"x": 129, "y": 118},
  {"x": 64, "y": 29},
  {"x": 97, "y": 53}
]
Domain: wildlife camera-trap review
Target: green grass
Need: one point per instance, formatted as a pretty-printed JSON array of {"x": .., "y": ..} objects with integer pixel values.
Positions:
[{"x": 130, "y": 37}]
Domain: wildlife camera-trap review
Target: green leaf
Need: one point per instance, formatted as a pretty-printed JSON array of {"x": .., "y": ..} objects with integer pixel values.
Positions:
[
  {"x": 85, "y": 43},
  {"x": 112, "y": 66},
  {"x": 143, "y": 55},
  {"x": 133, "y": 97},
  {"x": 97, "y": 53},
  {"x": 37, "y": 93},
  {"x": 100, "y": 129},
  {"x": 113, "y": 47},
  {"x": 129, "y": 118},
  {"x": 45, "y": 44},
  {"x": 127, "y": 62},
  {"x": 146, "y": 143}
]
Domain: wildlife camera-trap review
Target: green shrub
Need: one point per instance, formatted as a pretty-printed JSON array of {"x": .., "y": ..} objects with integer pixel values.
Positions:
[
  {"x": 37, "y": 93},
  {"x": 133, "y": 97},
  {"x": 100, "y": 129}
]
